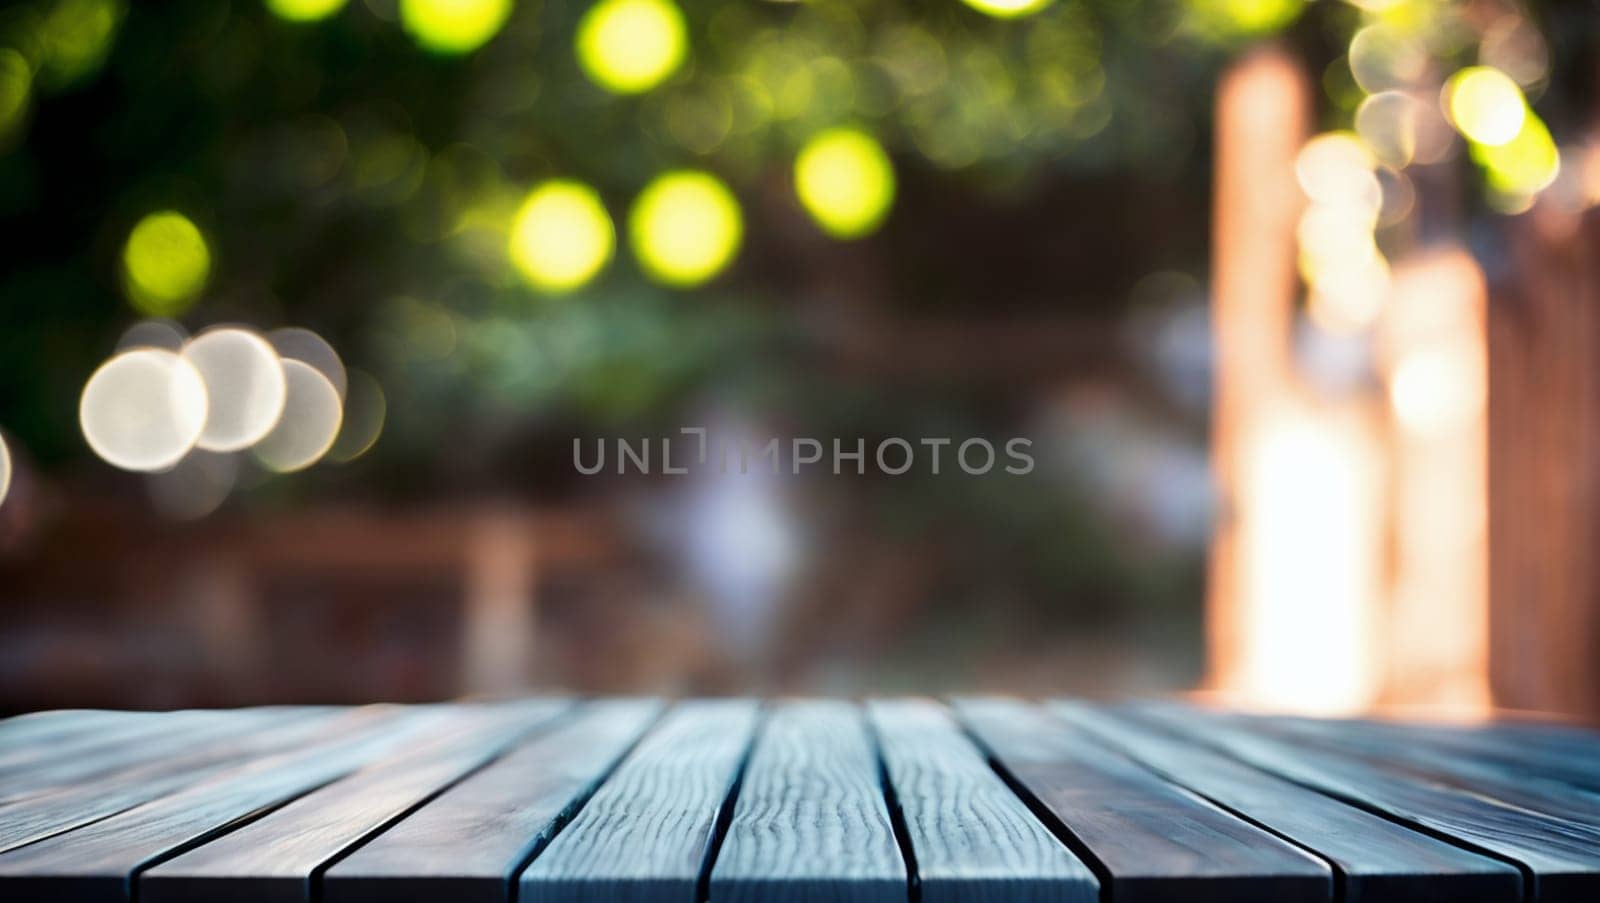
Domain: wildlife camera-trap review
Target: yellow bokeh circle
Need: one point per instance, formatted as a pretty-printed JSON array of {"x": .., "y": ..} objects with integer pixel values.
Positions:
[
  {"x": 1485, "y": 105},
  {"x": 685, "y": 228},
  {"x": 453, "y": 27},
  {"x": 165, "y": 264},
  {"x": 845, "y": 181},
  {"x": 561, "y": 236},
  {"x": 1008, "y": 9},
  {"x": 630, "y": 46},
  {"x": 304, "y": 10}
]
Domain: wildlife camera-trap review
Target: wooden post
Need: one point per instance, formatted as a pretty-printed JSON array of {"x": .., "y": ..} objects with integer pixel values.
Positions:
[
  {"x": 500, "y": 605},
  {"x": 1262, "y": 119},
  {"x": 1544, "y": 465},
  {"x": 1434, "y": 359}
]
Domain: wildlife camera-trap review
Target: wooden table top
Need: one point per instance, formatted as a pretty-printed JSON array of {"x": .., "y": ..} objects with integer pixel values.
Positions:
[{"x": 887, "y": 801}]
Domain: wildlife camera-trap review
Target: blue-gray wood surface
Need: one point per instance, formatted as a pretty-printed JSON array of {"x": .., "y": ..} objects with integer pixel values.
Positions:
[
  {"x": 275, "y": 858},
  {"x": 1560, "y": 860},
  {"x": 810, "y": 821},
  {"x": 910, "y": 801},
  {"x": 645, "y": 836},
  {"x": 1377, "y": 860},
  {"x": 469, "y": 844},
  {"x": 1154, "y": 840},
  {"x": 973, "y": 839}
]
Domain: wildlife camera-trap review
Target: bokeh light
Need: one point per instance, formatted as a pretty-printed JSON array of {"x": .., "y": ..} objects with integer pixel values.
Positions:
[
  {"x": 453, "y": 27},
  {"x": 1384, "y": 57},
  {"x": 1437, "y": 389},
  {"x": 1485, "y": 105},
  {"x": 5, "y": 469},
  {"x": 165, "y": 264},
  {"x": 167, "y": 335},
  {"x": 304, "y": 10},
  {"x": 1336, "y": 168},
  {"x": 143, "y": 410},
  {"x": 1346, "y": 275},
  {"x": 365, "y": 409},
  {"x": 1514, "y": 46},
  {"x": 1387, "y": 123},
  {"x": 1245, "y": 17},
  {"x": 845, "y": 181},
  {"x": 16, "y": 86},
  {"x": 296, "y": 343},
  {"x": 1008, "y": 9},
  {"x": 311, "y": 416},
  {"x": 630, "y": 46},
  {"x": 685, "y": 227},
  {"x": 1347, "y": 299},
  {"x": 561, "y": 236},
  {"x": 74, "y": 38},
  {"x": 195, "y": 486},
  {"x": 244, "y": 380},
  {"x": 1522, "y": 167},
  {"x": 1335, "y": 237}
]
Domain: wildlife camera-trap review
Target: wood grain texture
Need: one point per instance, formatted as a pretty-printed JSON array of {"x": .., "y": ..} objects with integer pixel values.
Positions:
[
  {"x": 1154, "y": 840},
  {"x": 274, "y": 859},
  {"x": 1380, "y": 861},
  {"x": 165, "y": 765},
  {"x": 467, "y": 845},
  {"x": 645, "y": 835},
  {"x": 98, "y": 861},
  {"x": 1408, "y": 754},
  {"x": 28, "y": 732},
  {"x": 1560, "y": 859},
  {"x": 51, "y": 752},
  {"x": 811, "y": 823},
  {"x": 972, "y": 839},
  {"x": 1545, "y": 754}
]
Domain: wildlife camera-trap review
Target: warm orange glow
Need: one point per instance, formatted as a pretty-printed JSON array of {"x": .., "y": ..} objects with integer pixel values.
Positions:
[
  {"x": 1349, "y": 561},
  {"x": 1311, "y": 555},
  {"x": 1435, "y": 354},
  {"x": 1262, "y": 121}
]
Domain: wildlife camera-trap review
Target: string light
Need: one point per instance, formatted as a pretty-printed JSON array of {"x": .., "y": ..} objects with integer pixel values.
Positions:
[
  {"x": 561, "y": 236},
  {"x": 685, "y": 228},
  {"x": 845, "y": 181},
  {"x": 453, "y": 27},
  {"x": 630, "y": 46},
  {"x": 165, "y": 264}
]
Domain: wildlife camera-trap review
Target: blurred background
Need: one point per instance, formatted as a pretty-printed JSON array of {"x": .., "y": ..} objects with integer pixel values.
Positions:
[{"x": 308, "y": 306}]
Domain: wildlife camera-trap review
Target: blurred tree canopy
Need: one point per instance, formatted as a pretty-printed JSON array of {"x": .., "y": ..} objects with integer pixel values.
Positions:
[{"x": 357, "y": 173}]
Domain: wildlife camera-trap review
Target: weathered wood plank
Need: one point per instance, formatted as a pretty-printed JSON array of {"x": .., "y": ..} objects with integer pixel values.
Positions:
[
  {"x": 1154, "y": 840},
  {"x": 98, "y": 861},
  {"x": 972, "y": 839},
  {"x": 38, "y": 750},
  {"x": 1409, "y": 755},
  {"x": 1560, "y": 859},
  {"x": 467, "y": 845},
  {"x": 811, "y": 823},
  {"x": 179, "y": 762},
  {"x": 1550, "y": 754},
  {"x": 28, "y": 730},
  {"x": 274, "y": 859},
  {"x": 645, "y": 835},
  {"x": 1380, "y": 861}
]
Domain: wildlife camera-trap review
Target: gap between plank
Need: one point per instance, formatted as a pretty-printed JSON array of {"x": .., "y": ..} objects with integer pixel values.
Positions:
[
  {"x": 897, "y": 816},
  {"x": 1040, "y": 811},
  {"x": 314, "y": 880},
  {"x": 571, "y": 810},
  {"x": 131, "y": 881},
  {"x": 1530, "y": 881},
  {"x": 1339, "y": 878},
  {"x": 719, "y": 825}
]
